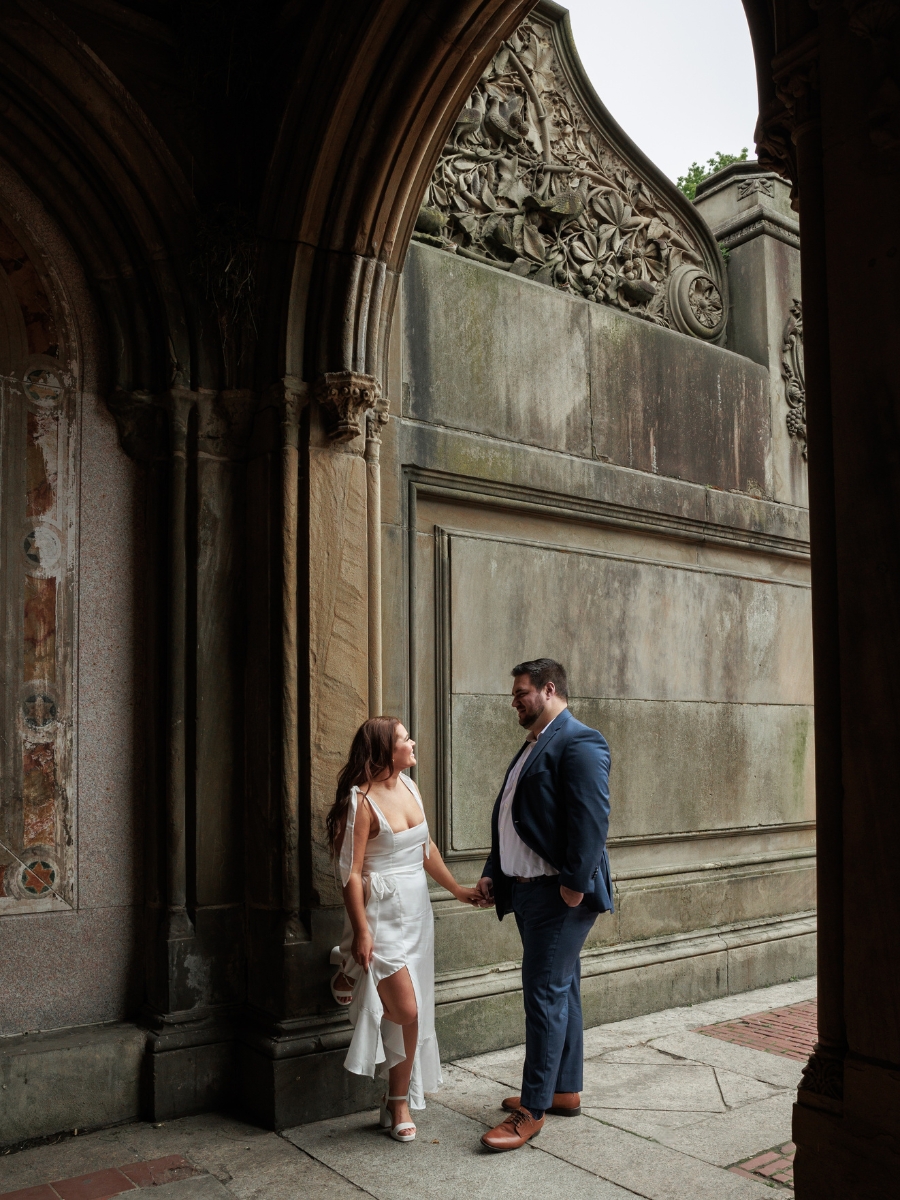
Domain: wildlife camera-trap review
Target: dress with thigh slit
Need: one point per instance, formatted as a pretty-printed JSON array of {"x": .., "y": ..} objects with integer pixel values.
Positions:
[{"x": 398, "y": 911}]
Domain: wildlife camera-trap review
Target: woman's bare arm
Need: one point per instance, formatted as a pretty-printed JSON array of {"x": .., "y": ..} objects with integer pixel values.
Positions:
[{"x": 441, "y": 874}]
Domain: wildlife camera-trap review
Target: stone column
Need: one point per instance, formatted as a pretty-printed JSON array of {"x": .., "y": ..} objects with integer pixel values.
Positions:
[
  {"x": 375, "y": 420},
  {"x": 339, "y": 608},
  {"x": 192, "y": 442},
  {"x": 835, "y": 127},
  {"x": 292, "y": 1047},
  {"x": 749, "y": 210}
]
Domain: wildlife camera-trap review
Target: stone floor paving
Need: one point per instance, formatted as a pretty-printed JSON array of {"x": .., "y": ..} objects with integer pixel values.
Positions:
[{"x": 669, "y": 1113}]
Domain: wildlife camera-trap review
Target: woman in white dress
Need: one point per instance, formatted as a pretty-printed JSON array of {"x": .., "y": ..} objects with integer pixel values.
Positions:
[{"x": 377, "y": 829}]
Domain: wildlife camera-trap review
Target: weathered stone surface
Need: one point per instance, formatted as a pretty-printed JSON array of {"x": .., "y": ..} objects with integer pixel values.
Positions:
[
  {"x": 337, "y": 631},
  {"x": 432, "y": 1166},
  {"x": 739, "y": 640},
  {"x": 672, "y": 406},
  {"x": 678, "y": 765},
  {"x": 495, "y": 355},
  {"x": 55, "y": 1081},
  {"x": 749, "y": 209}
]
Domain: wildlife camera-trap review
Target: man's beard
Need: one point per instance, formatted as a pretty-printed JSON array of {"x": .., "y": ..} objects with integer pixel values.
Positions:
[{"x": 530, "y": 718}]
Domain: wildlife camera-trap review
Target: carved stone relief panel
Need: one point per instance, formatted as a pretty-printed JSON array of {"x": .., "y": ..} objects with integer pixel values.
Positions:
[
  {"x": 37, "y": 577},
  {"x": 793, "y": 374},
  {"x": 755, "y": 185},
  {"x": 538, "y": 180}
]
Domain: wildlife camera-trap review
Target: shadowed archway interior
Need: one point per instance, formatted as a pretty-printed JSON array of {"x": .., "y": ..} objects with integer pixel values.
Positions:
[{"x": 214, "y": 205}]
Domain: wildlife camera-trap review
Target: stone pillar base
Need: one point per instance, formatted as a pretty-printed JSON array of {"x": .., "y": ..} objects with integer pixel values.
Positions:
[
  {"x": 841, "y": 1158},
  {"x": 280, "y": 1092}
]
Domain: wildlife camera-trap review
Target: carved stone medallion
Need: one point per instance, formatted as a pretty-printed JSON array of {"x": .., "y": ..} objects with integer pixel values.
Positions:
[{"x": 537, "y": 179}]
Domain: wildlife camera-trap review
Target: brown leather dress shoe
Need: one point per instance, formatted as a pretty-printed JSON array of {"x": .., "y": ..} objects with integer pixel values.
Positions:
[
  {"x": 514, "y": 1132},
  {"x": 565, "y": 1104}
]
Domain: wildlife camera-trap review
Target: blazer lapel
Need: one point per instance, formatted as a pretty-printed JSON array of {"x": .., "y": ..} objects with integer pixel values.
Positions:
[{"x": 542, "y": 743}]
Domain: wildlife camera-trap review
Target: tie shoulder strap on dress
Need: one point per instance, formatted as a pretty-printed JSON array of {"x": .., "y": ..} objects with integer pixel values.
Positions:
[
  {"x": 346, "y": 859},
  {"x": 415, "y": 791}
]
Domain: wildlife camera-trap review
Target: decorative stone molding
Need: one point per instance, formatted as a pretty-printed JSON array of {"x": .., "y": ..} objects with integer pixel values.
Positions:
[
  {"x": 538, "y": 180},
  {"x": 792, "y": 371},
  {"x": 756, "y": 221},
  {"x": 344, "y": 397}
]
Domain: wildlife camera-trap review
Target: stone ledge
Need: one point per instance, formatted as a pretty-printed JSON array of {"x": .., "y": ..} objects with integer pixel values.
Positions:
[
  {"x": 621, "y": 497},
  {"x": 753, "y": 222},
  {"x": 507, "y": 977}
]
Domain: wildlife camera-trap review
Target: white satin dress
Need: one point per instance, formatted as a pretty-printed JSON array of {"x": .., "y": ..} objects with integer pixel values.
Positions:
[{"x": 398, "y": 911}]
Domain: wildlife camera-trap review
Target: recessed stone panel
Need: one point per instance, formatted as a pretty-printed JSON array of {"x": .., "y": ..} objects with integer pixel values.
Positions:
[
  {"x": 626, "y": 628},
  {"x": 676, "y": 766}
]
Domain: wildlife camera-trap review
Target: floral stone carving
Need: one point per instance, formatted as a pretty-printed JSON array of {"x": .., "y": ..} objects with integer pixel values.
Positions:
[
  {"x": 345, "y": 396},
  {"x": 793, "y": 373},
  {"x": 537, "y": 179}
]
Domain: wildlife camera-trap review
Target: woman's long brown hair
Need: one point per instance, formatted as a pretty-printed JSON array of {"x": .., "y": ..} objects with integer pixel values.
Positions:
[{"x": 371, "y": 755}]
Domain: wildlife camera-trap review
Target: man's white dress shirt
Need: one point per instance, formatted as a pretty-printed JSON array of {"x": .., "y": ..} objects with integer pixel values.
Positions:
[{"x": 515, "y": 857}]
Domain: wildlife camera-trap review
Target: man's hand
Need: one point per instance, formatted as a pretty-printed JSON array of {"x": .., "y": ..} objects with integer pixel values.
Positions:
[
  {"x": 485, "y": 887},
  {"x": 573, "y": 899}
]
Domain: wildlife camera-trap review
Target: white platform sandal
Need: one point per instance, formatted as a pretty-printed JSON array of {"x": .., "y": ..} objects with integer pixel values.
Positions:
[
  {"x": 387, "y": 1119},
  {"x": 342, "y": 995}
]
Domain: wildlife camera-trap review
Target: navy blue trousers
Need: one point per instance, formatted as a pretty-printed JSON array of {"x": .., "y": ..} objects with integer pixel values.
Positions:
[{"x": 552, "y": 937}]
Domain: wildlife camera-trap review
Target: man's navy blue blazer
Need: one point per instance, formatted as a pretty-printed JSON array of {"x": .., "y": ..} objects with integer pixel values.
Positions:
[{"x": 561, "y": 811}]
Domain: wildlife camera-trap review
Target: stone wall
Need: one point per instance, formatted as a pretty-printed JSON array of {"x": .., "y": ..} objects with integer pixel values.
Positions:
[{"x": 564, "y": 479}]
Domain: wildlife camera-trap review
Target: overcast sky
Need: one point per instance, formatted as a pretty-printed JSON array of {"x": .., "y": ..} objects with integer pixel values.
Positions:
[{"x": 677, "y": 75}]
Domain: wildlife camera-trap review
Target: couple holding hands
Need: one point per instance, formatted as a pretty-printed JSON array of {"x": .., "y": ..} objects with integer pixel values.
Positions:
[{"x": 548, "y": 866}]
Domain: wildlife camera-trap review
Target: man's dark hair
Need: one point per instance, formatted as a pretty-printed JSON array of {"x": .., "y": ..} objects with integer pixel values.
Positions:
[{"x": 542, "y": 671}]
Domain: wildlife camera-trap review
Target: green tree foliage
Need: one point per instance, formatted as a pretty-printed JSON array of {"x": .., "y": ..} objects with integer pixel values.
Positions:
[{"x": 697, "y": 173}]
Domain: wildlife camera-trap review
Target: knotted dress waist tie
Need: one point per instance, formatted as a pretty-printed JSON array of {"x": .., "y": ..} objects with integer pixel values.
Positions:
[{"x": 382, "y": 884}]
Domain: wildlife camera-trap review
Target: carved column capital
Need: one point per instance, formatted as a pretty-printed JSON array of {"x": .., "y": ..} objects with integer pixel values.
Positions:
[
  {"x": 794, "y": 110},
  {"x": 344, "y": 396}
]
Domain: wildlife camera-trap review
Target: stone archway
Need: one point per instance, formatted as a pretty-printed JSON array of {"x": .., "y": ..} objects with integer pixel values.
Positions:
[{"x": 333, "y": 159}]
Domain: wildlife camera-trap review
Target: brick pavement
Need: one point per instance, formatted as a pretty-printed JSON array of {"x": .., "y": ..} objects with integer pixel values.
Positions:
[
  {"x": 769, "y": 1167},
  {"x": 101, "y": 1185},
  {"x": 789, "y": 1031}
]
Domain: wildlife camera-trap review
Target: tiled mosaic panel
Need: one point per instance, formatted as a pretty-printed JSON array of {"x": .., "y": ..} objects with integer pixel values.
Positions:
[{"x": 36, "y": 507}]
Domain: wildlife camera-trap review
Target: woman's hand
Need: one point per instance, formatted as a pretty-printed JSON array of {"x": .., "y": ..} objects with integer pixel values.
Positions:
[
  {"x": 469, "y": 895},
  {"x": 362, "y": 949}
]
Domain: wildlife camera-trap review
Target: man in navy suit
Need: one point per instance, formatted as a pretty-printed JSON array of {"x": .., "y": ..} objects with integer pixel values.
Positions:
[{"x": 548, "y": 865}]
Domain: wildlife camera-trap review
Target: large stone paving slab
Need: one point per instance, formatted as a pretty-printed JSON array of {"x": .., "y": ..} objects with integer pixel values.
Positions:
[
  {"x": 447, "y": 1161},
  {"x": 687, "y": 1087},
  {"x": 503, "y": 1065},
  {"x": 743, "y": 1089},
  {"x": 737, "y": 1134},
  {"x": 642, "y": 1166},
  {"x": 634, "y": 1030},
  {"x": 757, "y": 1064},
  {"x": 647, "y": 1122},
  {"x": 474, "y": 1096}
]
